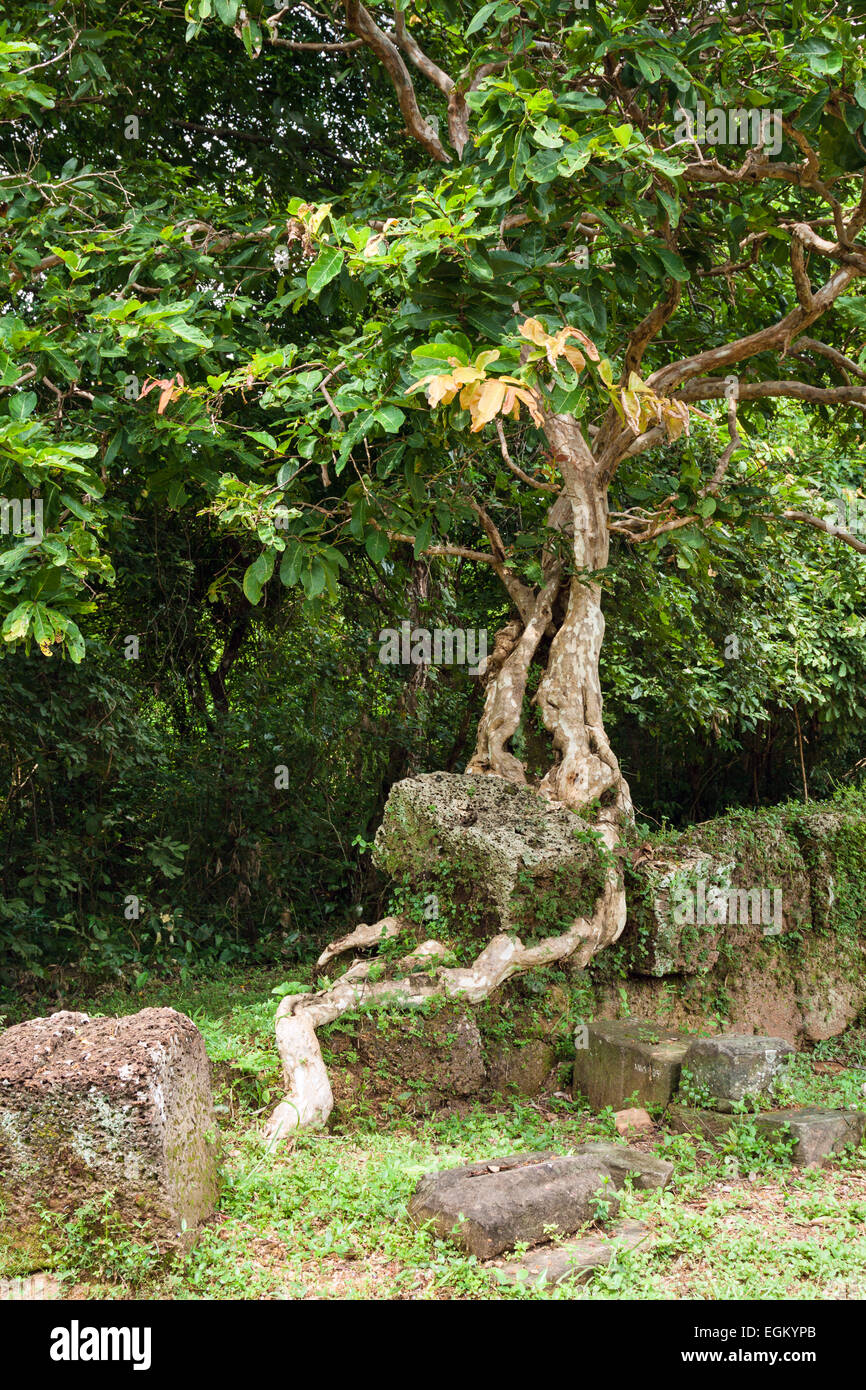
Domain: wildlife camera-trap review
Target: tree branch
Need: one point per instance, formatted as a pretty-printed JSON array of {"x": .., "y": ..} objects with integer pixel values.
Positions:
[
  {"x": 361, "y": 22},
  {"x": 820, "y": 525}
]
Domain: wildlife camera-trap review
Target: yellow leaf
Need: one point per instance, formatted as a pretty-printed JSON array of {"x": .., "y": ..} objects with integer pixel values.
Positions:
[
  {"x": 631, "y": 407},
  {"x": 534, "y": 331},
  {"x": 575, "y": 357},
  {"x": 674, "y": 426},
  {"x": 591, "y": 349},
  {"x": 463, "y": 375},
  {"x": 420, "y": 385},
  {"x": 469, "y": 395},
  {"x": 530, "y": 400},
  {"x": 487, "y": 403},
  {"x": 483, "y": 360}
]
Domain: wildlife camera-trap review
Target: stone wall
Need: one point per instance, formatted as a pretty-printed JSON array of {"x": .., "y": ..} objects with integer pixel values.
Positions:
[
  {"x": 470, "y": 856},
  {"x": 799, "y": 972}
]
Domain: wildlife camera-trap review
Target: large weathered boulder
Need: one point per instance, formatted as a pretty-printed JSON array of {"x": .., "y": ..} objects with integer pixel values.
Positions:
[
  {"x": 721, "y": 887},
  {"x": 626, "y": 1058},
  {"x": 494, "y": 857},
  {"x": 90, "y": 1106},
  {"x": 810, "y": 993},
  {"x": 833, "y": 845},
  {"x": 486, "y": 1208}
]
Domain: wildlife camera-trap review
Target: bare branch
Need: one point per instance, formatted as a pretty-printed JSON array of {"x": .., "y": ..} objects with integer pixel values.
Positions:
[
  {"x": 509, "y": 462},
  {"x": 844, "y": 364},
  {"x": 361, "y": 22},
  {"x": 774, "y": 336},
  {"x": 714, "y": 388},
  {"x": 820, "y": 525},
  {"x": 800, "y": 275}
]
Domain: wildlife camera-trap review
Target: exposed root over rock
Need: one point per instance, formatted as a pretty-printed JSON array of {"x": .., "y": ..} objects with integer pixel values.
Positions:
[
  {"x": 415, "y": 978},
  {"x": 362, "y": 936}
]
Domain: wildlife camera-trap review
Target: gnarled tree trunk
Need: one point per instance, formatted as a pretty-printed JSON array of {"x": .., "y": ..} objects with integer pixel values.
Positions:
[{"x": 569, "y": 696}]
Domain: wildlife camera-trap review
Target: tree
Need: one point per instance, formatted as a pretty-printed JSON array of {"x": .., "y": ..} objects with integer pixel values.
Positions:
[
  {"x": 607, "y": 219},
  {"x": 598, "y": 171}
]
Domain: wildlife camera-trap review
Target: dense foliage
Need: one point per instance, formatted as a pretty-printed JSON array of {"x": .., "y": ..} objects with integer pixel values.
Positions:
[{"x": 225, "y": 264}]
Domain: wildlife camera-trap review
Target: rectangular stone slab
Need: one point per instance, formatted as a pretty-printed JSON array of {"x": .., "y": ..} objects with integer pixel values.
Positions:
[
  {"x": 515, "y": 1199},
  {"x": 734, "y": 1066},
  {"x": 551, "y": 1264},
  {"x": 703, "y": 1124},
  {"x": 96, "y": 1105},
  {"x": 645, "y": 1170},
  {"x": 817, "y": 1132},
  {"x": 627, "y": 1057}
]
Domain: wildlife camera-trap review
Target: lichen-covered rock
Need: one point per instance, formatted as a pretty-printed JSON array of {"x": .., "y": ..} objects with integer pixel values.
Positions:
[
  {"x": 90, "y": 1106},
  {"x": 658, "y": 942},
  {"x": 833, "y": 845},
  {"x": 522, "y": 1067},
  {"x": 521, "y": 1029},
  {"x": 496, "y": 857},
  {"x": 569, "y": 1259},
  {"x": 811, "y": 992},
  {"x": 647, "y": 1172},
  {"x": 734, "y": 1067},
  {"x": 721, "y": 887},
  {"x": 815, "y": 1132}
]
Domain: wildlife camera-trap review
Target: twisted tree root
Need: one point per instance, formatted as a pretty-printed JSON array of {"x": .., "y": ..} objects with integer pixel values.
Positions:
[
  {"x": 363, "y": 935},
  {"x": 309, "y": 1098}
]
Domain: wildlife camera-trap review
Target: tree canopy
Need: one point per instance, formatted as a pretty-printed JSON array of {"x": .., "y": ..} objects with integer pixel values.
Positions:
[{"x": 293, "y": 303}]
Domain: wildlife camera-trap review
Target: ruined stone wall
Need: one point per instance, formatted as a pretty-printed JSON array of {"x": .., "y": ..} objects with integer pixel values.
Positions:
[{"x": 755, "y": 922}]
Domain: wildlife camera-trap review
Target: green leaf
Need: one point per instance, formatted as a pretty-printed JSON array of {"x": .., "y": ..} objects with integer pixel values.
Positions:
[
  {"x": 189, "y": 333},
  {"x": 262, "y": 437},
  {"x": 650, "y": 70},
  {"x": 481, "y": 18},
  {"x": 258, "y": 574},
  {"x": 325, "y": 267},
  {"x": 377, "y": 545},
  {"x": 290, "y": 565},
  {"x": 390, "y": 416},
  {"x": 673, "y": 264},
  {"x": 423, "y": 537}
]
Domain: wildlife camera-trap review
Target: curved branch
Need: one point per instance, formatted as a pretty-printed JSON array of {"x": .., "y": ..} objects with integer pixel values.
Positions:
[
  {"x": 713, "y": 388},
  {"x": 362, "y": 23},
  {"x": 776, "y": 335},
  {"x": 844, "y": 364}
]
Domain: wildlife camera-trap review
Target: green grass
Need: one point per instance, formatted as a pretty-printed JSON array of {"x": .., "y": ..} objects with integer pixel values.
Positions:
[{"x": 325, "y": 1216}]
